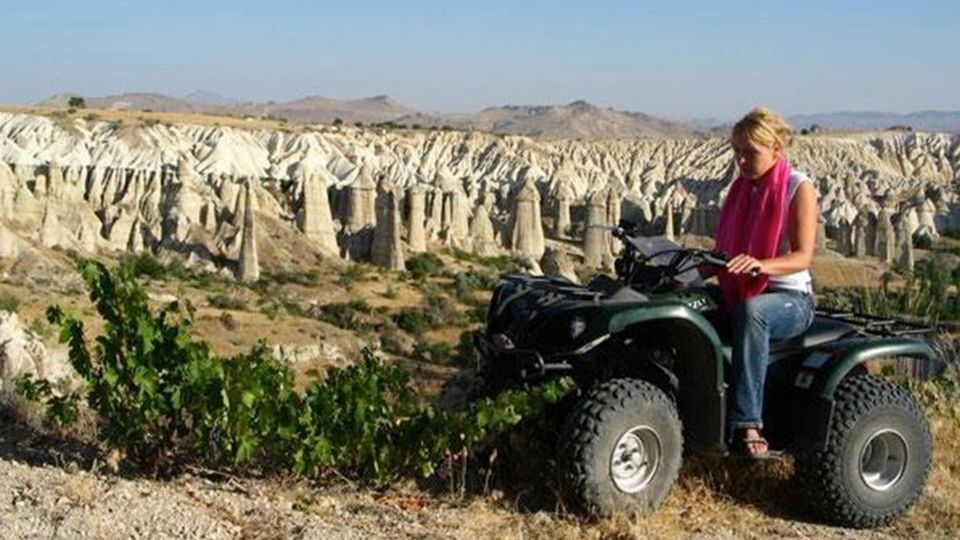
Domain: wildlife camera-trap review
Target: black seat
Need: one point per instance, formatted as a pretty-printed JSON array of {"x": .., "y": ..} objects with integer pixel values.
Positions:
[{"x": 823, "y": 330}]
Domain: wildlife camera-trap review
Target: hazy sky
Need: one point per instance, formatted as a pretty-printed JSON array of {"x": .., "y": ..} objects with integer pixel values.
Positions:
[{"x": 680, "y": 59}]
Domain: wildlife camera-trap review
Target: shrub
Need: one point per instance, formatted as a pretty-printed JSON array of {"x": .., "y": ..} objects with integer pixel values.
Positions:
[
  {"x": 225, "y": 301},
  {"x": 76, "y": 102},
  {"x": 424, "y": 265},
  {"x": 436, "y": 352},
  {"x": 9, "y": 302},
  {"x": 346, "y": 315},
  {"x": 441, "y": 311},
  {"x": 466, "y": 283},
  {"x": 467, "y": 354},
  {"x": 352, "y": 274},
  {"x": 308, "y": 278},
  {"x": 926, "y": 293},
  {"x": 144, "y": 264},
  {"x": 227, "y": 320},
  {"x": 165, "y": 401},
  {"x": 501, "y": 263},
  {"x": 413, "y": 320}
]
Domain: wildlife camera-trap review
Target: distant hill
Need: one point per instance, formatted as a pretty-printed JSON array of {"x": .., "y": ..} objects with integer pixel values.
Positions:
[
  {"x": 939, "y": 121},
  {"x": 316, "y": 109},
  {"x": 129, "y": 101},
  {"x": 578, "y": 119},
  {"x": 206, "y": 97}
]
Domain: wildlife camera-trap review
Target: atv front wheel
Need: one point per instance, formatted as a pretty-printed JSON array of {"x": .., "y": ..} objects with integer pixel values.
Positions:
[
  {"x": 623, "y": 448},
  {"x": 877, "y": 458}
]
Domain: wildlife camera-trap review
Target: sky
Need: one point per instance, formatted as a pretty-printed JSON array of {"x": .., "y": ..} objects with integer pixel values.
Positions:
[{"x": 681, "y": 59}]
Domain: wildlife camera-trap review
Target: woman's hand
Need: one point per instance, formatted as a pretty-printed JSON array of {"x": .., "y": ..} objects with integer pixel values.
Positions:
[{"x": 743, "y": 263}]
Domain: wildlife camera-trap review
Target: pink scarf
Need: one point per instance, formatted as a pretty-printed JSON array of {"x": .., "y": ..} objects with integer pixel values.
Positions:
[{"x": 752, "y": 227}]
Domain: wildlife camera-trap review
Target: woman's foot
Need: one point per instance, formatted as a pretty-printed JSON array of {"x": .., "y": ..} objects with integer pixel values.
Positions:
[{"x": 755, "y": 446}]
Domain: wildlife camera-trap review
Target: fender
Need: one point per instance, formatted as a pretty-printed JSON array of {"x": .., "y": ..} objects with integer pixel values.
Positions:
[
  {"x": 839, "y": 358},
  {"x": 702, "y": 399},
  {"x": 824, "y": 369}
]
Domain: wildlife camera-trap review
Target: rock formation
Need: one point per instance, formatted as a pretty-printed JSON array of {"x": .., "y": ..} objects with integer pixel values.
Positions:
[
  {"x": 416, "y": 221},
  {"x": 387, "y": 248},
  {"x": 248, "y": 266},
  {"x": 315, "y": 220},
  {"x": 596, "y": 248},
  {"x": 179, "y": 188},
  {"x": 482, "y": 235},
  {"x": 556, "y": 262},
  {"x": 527, "y": 233}
]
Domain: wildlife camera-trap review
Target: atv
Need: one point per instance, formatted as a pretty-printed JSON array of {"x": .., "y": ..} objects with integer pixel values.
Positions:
[{"x": 650, "y": 354}]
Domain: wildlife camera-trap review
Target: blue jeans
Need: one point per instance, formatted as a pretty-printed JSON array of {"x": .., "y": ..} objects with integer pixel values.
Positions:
[{"x": 774, "y": 315}]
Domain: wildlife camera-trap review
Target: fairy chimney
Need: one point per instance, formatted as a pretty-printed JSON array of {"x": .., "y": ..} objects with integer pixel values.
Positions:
[
  {"x": 596, "y": 249},
  {"x": 361, "y": 201},
  {"x": 248, "y": 267},
  {"x": 416, "y": 206},
  {"x": 886, "y": 240},
  {"x": 482, "y": 234},
  {"x": 387, "y": 248},
  {"x": 527, "y": 234},
  {"x": 314, "y": 219},
  {"x": 905, "y": 258}
]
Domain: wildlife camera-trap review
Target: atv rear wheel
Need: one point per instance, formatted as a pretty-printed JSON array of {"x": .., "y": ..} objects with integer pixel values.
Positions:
[
  {"x": 877, "y": 458},
  {"x": 623, "y": 448}
]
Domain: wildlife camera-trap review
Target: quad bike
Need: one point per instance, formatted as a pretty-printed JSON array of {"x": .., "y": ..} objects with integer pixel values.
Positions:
[{"x": 650, "y": 354}]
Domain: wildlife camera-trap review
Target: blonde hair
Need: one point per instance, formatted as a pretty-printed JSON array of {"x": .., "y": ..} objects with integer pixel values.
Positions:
[{"x": 763, "y": 126}]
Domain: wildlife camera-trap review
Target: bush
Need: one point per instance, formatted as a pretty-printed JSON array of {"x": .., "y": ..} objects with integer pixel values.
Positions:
[
  {"x": 225, "y": 301},
  {"x": 165, "y": 401},
  {"x": 9, "y": 302},
  {"x": 501, "y": 263},
  {"x": 352, "y": 274},
  {"x": 144, "y": 264},
  {"x": 346, "y": 315},
  {"x": 466, "y": 283},
  {"x": 424, "y": 265},
  {"x": 926, "y": 293},
  {"x": 436, "y": 352},
  {"x": 76, "y": 102},
  {"x": 308, "y": 278},
  {"x": 227, "y": 320},
  {"x": 412, "y": 320}
]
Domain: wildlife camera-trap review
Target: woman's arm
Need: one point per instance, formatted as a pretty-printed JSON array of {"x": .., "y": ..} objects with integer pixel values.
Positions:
[{"x": 803, "y": 232}]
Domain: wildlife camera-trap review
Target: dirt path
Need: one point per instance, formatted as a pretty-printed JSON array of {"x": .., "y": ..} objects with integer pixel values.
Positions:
[{"x": 47, "y": 490}]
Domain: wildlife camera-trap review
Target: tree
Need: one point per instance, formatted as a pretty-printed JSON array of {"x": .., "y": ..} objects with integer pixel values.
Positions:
[
  {"x": 76, "y": 102},
  {"x": 338, "y": 121}
]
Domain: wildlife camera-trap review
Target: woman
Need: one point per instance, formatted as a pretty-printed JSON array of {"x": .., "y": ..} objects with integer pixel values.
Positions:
[{"x": 768, "y": 224}]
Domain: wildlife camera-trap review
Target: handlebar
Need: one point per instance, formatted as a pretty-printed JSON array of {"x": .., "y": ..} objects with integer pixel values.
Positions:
[{"x": 715, "y": 258}]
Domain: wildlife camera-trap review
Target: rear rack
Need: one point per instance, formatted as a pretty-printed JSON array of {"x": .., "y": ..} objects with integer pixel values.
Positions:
[{"x": 879, "y": 326}]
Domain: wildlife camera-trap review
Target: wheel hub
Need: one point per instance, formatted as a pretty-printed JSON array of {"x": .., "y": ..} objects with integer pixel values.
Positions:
[
  {"x": 635, "y": 459},
  {"x": 883, "y": 460}
]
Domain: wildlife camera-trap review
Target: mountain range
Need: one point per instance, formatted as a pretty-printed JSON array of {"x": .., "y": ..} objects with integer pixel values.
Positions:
[{"x": 578, "y": 119}]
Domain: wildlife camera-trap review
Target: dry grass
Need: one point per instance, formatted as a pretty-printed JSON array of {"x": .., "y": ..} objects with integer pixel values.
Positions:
[{"x": 81, "y": 488}]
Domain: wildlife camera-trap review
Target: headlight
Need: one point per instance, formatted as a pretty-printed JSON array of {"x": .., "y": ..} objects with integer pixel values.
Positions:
[{"x": 577, "y": 327}]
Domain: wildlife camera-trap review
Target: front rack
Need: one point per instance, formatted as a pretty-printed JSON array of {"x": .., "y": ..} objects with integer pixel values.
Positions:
[{"x": 879, "y": 326}]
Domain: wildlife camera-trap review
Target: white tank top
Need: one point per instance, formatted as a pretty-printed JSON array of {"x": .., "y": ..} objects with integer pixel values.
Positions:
[{"x": 799, "y": 281}]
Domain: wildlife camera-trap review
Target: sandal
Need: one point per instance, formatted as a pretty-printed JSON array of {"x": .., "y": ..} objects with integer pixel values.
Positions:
[{"x": 746, "y": 443}]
